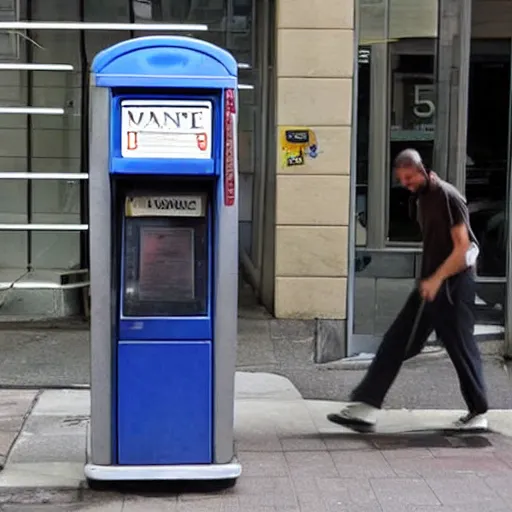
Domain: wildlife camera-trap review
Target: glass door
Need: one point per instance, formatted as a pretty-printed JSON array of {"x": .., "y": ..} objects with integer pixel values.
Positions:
[{"x": 487, "y": 165}]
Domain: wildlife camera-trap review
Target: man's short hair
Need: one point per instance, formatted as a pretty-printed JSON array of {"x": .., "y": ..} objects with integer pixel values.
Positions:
[{"x": 409, "y": 158}]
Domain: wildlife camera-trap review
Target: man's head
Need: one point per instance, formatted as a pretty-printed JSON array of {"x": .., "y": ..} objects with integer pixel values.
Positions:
[{"x": 409, "y": 170}]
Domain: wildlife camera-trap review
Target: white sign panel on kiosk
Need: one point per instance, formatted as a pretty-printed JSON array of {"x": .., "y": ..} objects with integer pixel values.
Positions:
[{"x": 166, "y": 129}]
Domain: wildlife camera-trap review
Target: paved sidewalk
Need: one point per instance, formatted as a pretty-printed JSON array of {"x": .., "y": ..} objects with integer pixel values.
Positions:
[{"x": 293, "y": 459}]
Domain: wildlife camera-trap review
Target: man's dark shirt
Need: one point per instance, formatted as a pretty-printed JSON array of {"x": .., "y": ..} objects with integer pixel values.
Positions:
[{"x": 440, "y": 207}]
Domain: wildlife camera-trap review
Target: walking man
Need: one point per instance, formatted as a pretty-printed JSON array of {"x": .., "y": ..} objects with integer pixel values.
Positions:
[{"x": 447, "y": 291}]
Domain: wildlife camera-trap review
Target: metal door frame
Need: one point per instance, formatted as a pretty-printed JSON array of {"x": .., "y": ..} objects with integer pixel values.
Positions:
[{"x": 507, "y": 345}]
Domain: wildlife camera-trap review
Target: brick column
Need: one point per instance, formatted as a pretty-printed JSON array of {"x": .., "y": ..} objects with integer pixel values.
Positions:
[{"x": 315, "y": 52}]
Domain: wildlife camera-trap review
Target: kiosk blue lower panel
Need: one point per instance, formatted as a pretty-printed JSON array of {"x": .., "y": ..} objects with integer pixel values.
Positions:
[{"x": 165, "y": 408}]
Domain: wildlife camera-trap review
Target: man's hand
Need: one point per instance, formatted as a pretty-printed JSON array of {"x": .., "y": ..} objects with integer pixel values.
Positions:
[{"x": 430, "y": 287}]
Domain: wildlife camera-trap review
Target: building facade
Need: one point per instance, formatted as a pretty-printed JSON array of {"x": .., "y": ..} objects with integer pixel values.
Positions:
[{"x": 330, "y": 92}]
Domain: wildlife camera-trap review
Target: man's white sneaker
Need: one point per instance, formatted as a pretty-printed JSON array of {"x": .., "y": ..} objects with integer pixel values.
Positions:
[
  {"x": 357, "y": 416},
  {"x": 362, "y": 412},
  {"x": 472, "y": 421}
]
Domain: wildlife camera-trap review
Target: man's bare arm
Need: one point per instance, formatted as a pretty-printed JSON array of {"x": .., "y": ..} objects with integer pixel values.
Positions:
[{"x": 456, "y": 261}]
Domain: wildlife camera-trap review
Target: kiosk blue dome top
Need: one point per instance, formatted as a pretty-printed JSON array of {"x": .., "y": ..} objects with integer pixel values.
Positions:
[{"x": 158, "y": 58}]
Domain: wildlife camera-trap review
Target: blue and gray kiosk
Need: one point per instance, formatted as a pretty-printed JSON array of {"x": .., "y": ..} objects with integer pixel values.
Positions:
[{"x": 163, "y": 262}]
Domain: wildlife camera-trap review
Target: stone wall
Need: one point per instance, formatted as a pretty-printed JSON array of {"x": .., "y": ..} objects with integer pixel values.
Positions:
[{"x": 315, "y": 58}]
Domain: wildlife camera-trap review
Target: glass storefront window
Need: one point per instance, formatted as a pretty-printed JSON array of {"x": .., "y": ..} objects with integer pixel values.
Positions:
[
  {"x": 363, "y": 127},
  {"x": 487, "y": 163},
  {"x": 397, "y": 93},
  {"x": 487, "y": 148},
  {"x": 396, "y": 109},
  {"x": 412, "y": 99},
  {"x": 423, "y": 81},
  {"x": 58, "y": 143},
  {"x": 372, "y": 30},
  {"x": 412, "y": 117}
]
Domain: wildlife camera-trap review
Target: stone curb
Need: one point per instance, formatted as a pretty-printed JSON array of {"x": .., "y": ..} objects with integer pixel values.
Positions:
[
  {"x": 430, "y": 353},
  {"x": 489, "y": 348},
  {"x": 57, "y": 495},
  {"x": 40, "y": 495}
]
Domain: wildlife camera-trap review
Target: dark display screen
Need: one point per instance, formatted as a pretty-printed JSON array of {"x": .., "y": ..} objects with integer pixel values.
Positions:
[
  {"x": 165, "y": 266},
  {"x": 170, "y": 252}
]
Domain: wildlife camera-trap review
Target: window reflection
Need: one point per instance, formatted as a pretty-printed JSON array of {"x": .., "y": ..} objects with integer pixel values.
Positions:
[
  {"x": 142, "y": 10},
  {"x": 487, "y": 146},
  {"x": 363, "y": 125},
  {"x": 412, "y": 118},
  {"x": 214, "y": 13}
]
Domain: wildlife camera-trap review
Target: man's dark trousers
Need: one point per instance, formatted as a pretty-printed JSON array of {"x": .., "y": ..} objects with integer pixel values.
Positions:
[{"x": 451, "y": 316}]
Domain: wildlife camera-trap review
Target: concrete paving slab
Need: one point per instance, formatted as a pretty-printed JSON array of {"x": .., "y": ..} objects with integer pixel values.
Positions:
[
  {"x": 465, "y": 490},
  {"x": 59, "y": 475},
  {"x": 214, "y": 506},
  {"x": 143, "y": 504},
  {"x": 14, "y": 407},
  {"x": 405, "y": 492},
  {"x": 55, "y": 425},
  {"x": 6, "y": 441},
  {"x": 108, "y": 506},
  {"x": 257, "y": 464},
  {"x": 15, "y": 402},
  {"x": 362, "y": 464},
  {"x": 302, "y": 443},
  {"x": 54, "y": 499},
  {"x": 258, "y": 441},
  {"x": 37, "y": 508},
  {"x": 265, "y": 491},
  {"x": 344, "y": 442},
  {"x": 65, "y": 402},
  {"x": 263, "y": 501},
  {"x": 264, "y": 386},
  {"x": 288, "y": 417},
  {"x": 49, "y": 448},
  {"x": 12, "y": 424},
  {"x": 116, "y": 506},
  {"x": 9, "y": 431},
  {"x": 451, "y": 467},
  {"x": 501, "y": 486},
  {"x": 312, "y": 464},
  {"x": 340, "y": 492}
]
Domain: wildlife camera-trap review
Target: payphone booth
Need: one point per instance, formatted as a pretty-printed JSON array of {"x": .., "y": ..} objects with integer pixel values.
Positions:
[{"x": 163, "y": 261}]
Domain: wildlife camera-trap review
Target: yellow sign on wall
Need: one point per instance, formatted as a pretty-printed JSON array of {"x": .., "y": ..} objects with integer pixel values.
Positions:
[{"x": 297, "y": 143}]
